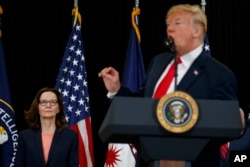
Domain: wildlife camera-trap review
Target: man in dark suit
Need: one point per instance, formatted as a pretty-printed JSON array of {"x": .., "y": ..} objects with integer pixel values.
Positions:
[
  {"x": 240, "y": 144},
  {"x": 200, "y": 75}
]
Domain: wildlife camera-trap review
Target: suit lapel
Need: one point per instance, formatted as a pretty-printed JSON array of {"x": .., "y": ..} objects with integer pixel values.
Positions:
[
  {"x": 39, "y": 145},
  {"x": 156, "y": 71},
  {"x": 193, "y": 73},
  {"x": 157, "y": 68},
  {"x": 53, "y": 145}
]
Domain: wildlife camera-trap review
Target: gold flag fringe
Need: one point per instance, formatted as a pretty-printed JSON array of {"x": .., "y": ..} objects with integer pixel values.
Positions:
[
  {"x": 1, "y": 12},
  {"x": 136, "y": 11},
  {"x": 77, "y": 15}
]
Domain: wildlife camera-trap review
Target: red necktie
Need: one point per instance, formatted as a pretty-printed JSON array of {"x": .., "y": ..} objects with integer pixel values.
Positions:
[
  {"x": 163, "y": 86},
  {"x": 224, "y": 151}
]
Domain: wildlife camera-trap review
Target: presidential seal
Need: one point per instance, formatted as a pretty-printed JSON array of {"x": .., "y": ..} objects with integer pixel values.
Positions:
[{"x": 177, "y": 112}]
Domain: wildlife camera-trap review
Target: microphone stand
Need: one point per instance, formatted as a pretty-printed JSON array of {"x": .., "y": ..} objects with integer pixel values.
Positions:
[{"x": 170, "y": 44}]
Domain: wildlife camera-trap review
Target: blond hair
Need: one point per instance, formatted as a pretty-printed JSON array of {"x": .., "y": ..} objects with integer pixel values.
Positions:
[{"x": 198, "y": 16}]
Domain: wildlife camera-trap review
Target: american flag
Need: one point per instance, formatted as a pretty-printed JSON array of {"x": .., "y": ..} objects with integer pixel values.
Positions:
[
  {"x": 206, "y": 45},
  {"x": 72, "y": 83}
]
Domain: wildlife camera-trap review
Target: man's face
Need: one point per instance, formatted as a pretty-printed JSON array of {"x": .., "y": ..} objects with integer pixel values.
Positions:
[{"x": 179, "y": 28}]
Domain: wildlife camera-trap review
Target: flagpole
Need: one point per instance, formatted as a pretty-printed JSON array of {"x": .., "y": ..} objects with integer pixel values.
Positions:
[
  {"x": 76, "y": 3},
  {"x": 75, "y": 12},
  {"x": 203, "y": 5},
  {"x": 136, "y": 3},
  {"x": 136, "y": 6}
]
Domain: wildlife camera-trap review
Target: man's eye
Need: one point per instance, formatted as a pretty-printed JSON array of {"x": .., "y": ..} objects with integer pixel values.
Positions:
[{"x": 177, "y": 22}]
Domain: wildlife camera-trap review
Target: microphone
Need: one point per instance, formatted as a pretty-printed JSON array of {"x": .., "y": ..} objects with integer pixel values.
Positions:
[{"x": 169, "y": 43}]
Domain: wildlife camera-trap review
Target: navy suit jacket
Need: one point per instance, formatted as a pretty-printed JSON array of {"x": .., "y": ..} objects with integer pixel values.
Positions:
[
  {"x": 239, "y": 144},
  {"x": 63, "y": 151},
  {"x": 206, "y": 78},
  {"x": 242, "y": 143}
]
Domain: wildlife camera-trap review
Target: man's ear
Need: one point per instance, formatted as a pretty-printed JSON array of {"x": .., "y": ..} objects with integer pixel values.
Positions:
[{"x": 196, "y": 31}]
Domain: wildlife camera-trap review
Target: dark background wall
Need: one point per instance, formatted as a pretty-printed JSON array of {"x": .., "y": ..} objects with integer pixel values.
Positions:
[{"x": 35, "y": 34}]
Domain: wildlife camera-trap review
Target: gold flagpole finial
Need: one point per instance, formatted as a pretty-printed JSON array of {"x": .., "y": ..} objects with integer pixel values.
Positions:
[{"x": 1, "y": 12}]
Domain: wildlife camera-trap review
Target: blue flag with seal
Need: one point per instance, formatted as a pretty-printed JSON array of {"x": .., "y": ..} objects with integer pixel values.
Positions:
[
  {"x": 8, "y": 130},
  {"x": 125, "y": 154},
  {"x": 134, "y": 72}
]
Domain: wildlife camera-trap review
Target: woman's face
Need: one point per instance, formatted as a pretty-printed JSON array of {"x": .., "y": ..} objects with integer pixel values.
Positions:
[{"x": 48, "y": 105}]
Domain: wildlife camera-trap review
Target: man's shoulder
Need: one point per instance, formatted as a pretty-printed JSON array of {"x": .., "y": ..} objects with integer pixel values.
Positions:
[
  {"x": 217, "y": 65},
  {"x": 162, "y": 56}
]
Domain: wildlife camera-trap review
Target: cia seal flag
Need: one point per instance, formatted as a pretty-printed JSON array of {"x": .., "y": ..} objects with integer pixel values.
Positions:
[
  {"x": 3, "y": 135},
  {"x": 177, "y": 112}
]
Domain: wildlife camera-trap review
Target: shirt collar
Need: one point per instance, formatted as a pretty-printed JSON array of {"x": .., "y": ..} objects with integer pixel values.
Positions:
[{"x": 188, "y": 59}]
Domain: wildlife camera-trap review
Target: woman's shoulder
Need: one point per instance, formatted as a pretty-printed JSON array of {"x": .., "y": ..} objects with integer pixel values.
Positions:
[
  {"x": 69, "y": 131},
  {"x": 27, "y": 133}
]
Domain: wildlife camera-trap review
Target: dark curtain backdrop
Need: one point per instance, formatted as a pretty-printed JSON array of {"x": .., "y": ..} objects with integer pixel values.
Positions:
[{"x": 35, "y": 33}]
